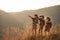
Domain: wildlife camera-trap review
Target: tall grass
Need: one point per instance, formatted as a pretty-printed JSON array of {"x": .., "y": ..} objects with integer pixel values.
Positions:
[
  {"x": 27, "y": 34},
  {"x": 54, "y": 35}
]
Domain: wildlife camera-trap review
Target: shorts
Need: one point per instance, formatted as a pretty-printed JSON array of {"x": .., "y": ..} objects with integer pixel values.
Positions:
[
  {"x": 34, "y": 26},
  {"x": 41, "y": 27},
  {"x": 47, "y": 29}
]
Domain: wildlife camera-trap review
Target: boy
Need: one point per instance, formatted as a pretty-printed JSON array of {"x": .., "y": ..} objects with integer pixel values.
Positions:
[
  {"x": 48, "y": 25},
  {"x": 41, "y": 24},
  {"x": 34, "y": 23}
]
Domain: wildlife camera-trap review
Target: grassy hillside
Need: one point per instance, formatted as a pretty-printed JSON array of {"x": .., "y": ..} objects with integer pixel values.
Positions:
[
  {"x": 15, "y": 25},
  {"x": 53, "y": 12}
]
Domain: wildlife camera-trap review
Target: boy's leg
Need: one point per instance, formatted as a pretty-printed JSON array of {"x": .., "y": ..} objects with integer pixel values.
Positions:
[
  {"x": 45, "y": 31},
  {"x": 35, "y": 29},
  {"x": 41, "y": 30},
  {"x": 48, "y": 31}
]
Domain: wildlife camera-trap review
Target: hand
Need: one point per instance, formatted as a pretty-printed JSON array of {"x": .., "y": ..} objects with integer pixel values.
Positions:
[{"x": 29, "y": 16}]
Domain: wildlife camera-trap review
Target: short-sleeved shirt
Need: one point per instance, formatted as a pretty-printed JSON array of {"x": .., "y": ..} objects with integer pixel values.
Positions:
[
  {"x": 42, "y": 22},
  {"x": 48, "y": 24},
  {"x": 35, "y": 20}
]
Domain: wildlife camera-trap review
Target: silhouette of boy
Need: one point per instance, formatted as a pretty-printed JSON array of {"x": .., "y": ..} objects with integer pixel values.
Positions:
[
  {"x": 48, "y": 25},
  {"x": 41, "y": 24},
  {"x": 34, "y": 22}
]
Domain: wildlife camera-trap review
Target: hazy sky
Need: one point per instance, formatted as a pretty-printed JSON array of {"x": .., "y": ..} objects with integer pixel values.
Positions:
[{"x": 20, "y": 5}]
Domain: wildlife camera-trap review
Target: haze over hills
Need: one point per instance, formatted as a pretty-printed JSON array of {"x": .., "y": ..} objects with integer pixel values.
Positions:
[
  {"x": 15, "y": 22},
  {"x": 53, "y": 12},
  {"x": 17, "y": 18}
]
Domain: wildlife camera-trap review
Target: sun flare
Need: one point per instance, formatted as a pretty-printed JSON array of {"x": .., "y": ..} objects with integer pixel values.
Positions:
[{"x": 20, "y": 5}]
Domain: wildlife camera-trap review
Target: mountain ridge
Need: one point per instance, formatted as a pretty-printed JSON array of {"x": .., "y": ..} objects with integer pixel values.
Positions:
[{"x": 15, "y": 18}]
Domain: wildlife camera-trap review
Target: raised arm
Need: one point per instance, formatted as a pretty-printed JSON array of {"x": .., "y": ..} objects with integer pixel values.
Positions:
[{"x": 31, "y": 17}]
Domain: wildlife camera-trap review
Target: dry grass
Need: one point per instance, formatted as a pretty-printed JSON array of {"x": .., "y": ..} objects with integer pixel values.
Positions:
[
  {"x": 27, "y": 35},
  {"x": 54, "y": 35}
]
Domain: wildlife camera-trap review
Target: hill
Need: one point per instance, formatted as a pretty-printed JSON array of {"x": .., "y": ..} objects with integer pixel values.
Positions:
[
  {"x": 53, "y": 12},
  {"x": 21, "y": 18},
  {"x": 13, "y": 24}
]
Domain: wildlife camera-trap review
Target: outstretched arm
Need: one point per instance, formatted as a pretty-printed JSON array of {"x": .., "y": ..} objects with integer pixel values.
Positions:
[{"x": 31, "y": 17}]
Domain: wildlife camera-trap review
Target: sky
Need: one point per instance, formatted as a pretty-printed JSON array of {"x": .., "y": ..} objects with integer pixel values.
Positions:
[{"x": 20, "y": 5}]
